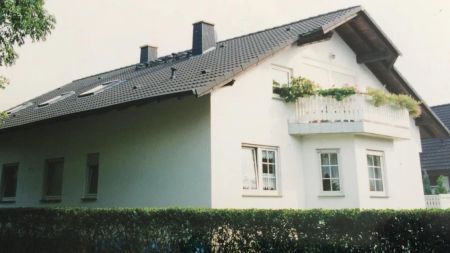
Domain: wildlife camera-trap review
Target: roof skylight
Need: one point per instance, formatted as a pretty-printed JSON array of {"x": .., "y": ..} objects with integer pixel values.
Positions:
[
  {"x": 99, "y": 88},
  {"x": 56, "y": 99},
  {"x": 19, "y": 108}
]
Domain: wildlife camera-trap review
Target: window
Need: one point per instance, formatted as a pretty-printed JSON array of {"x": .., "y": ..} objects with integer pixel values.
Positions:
[
  {"x": 329, "y": 167},
  {"x": 19, "y": 108},
  {"x": 375, "y": 166},
  {"x": 259, "y": 169},
  {"x": 91, "y": 176},
  {"x": 280, "y": 76},
  {"x": 99, "y": 88},
  {"x": 56, "y": 99},
  {"x": 53, "y": 179},
  {"x": 9, "y": 182}
]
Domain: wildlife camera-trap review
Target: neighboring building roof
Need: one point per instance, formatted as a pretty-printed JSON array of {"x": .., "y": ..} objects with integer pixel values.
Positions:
[
  {"x": 198, "y": 75},
  {"x": 436, "y": 152}
]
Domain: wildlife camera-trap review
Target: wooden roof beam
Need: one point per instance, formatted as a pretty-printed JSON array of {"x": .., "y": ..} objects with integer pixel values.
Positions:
[
  {"x": 373, "y": 57},
  {"x": 314, "y": 37}
]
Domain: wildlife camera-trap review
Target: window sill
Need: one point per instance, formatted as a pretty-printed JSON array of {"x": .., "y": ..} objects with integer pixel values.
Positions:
[
  {"x": 51, "y": 200},
  {"x": 382, "y": 196},
  {"x": 327, "y": 195},
  {"x": 89, "y": 198},
  {"x": 261, "y": 194},
  {"x": 8, "y": 200}
]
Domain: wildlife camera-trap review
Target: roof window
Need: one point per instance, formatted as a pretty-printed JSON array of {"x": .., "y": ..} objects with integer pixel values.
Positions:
[
  {"x": 19, "y": 108},
  {"x": 56, "y": 99},
  {"x": 100, "y": 88}
]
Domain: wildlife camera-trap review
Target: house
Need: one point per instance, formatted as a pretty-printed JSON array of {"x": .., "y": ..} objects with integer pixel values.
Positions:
[
  {"x": 435, "y": 156},
  {"x": 204, "y": 128}
]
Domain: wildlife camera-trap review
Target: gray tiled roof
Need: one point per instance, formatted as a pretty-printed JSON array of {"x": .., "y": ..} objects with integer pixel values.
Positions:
[
  {"x": 436, "y": 152},
  {"x": 229, "y": 58}
]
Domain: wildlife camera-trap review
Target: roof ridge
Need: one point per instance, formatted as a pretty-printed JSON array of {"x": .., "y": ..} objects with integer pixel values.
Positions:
[
  {"x": 294, "y": 22},
  {"x": 237, "y": 37}
]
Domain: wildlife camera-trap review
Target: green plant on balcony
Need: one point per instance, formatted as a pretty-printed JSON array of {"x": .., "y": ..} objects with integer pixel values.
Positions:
[
  {"x": 440, "y": 187},
  {"x": 380, "y": 97},
  {"x": 303, "y": 87}
]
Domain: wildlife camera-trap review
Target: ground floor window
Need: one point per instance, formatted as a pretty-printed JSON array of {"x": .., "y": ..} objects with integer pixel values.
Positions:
[
  {"x": 329, "y": 168},
  {"x": 9, "y": 182},
  {"x": 375, "y": 166},
  {"x": 53, "y": 179},
  {"x": 92, "y": 176},
  {"x": 259, "y": 168}
]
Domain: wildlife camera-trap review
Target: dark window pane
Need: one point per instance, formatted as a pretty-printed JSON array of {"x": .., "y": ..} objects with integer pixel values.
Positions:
[
  {"x": 370, "y": 160},
  {"x": 9, "y": 181},
  {"x": 93, "y": 179},
  {"x": 92, "y": 174},
  {"x": 326, "y": 185},
  {"x": 325, "y": 172},
  {"x": 376, "y": 160},
  {"x": 377, "y": 172},
  {"x": 54, "y": 178},
  {"x": 264, "y": 167},
  {"x": 379, "y": 184},
  {"x": 335, "y": 185},
  {"x": 264, "y": 156}
]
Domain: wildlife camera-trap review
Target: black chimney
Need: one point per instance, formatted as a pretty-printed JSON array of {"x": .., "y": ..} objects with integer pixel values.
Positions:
[
  {"x": 148, "y": 53},
  {"x": 203, "y": 38}
]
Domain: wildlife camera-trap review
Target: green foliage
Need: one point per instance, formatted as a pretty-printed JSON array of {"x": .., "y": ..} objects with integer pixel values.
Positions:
[
  {"x": 440, "y": 187},
  {"x": 299, "y": 87},
  {"x": 380, "y": 97},
  {"x": 426, "y": 184},
  {"x": 337, "y": 93},
  {"x": 215, "y": 230},
  {"x": 19, "y": 20}
]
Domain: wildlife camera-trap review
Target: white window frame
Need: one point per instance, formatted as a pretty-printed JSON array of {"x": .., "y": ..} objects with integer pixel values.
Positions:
[
  {"x": 275, "y": 67},
  {"x": 259, "y": 191},
  {"x": 323, "y": 193},
  {"x": 381, "y": 154}
]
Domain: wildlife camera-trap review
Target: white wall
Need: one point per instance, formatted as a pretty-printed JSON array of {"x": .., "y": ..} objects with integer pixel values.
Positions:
[
  {"x": 154, "y": 155},
  {"x": 247, "y": 113}
]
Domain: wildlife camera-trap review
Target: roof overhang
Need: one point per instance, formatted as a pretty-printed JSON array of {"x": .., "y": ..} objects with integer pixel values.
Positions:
[{"x": 373, "y": 48}]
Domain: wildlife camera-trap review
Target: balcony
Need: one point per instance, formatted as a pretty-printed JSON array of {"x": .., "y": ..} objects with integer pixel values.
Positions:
[{"x": 353, "y": 115}]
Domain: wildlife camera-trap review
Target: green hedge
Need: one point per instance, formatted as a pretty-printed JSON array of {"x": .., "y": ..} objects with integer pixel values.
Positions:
[{"x": 209, "y": 230}]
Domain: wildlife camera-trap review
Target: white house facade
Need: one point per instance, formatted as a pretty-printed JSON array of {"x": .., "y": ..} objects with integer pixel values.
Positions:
[{"x": 204, "y": 128}]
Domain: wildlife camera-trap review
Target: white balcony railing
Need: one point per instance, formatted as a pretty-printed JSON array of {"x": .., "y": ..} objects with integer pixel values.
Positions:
[
  {"x": 356, "y": 108},
  {"x": 437, "y": 201}
]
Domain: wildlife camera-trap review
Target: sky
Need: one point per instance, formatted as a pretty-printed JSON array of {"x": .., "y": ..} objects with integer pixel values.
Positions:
[{"x": 95, "y": 36}]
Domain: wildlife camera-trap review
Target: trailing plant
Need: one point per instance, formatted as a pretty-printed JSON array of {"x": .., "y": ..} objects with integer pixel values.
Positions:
[
  {"x": 441, "y": 189},
  {"x": 380, "y": 97},
  {"x": 299, "y": 87},
  {"x": 426, "y": 184},
  {"x": 338, "y": 93}
]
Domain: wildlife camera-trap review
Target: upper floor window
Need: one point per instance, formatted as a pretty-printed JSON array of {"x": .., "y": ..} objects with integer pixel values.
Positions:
[
  {"x": 91, "y": 176},
  {"x": 53, "y": 179},
  {"x": 280, "y": 76},
  {"x": 329, "y": 167},
  {"x": 9, "y": 182},
  {"x": 260, "y": 169},
  {"x": 375, "y": 167}
]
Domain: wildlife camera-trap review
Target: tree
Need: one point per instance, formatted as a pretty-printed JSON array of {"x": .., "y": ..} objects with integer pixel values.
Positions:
[
  {"x": 426, "y": 184},
  {"x": 21, "y": 20},
  {"x": 440, "y": 187}
]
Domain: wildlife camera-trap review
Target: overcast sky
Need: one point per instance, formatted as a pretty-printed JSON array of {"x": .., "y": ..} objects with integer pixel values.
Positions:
[{"x": 95, "y": 36}]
